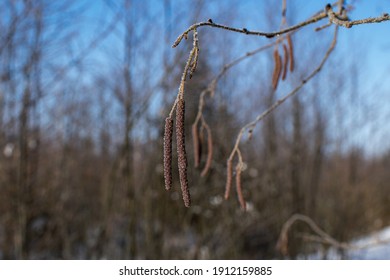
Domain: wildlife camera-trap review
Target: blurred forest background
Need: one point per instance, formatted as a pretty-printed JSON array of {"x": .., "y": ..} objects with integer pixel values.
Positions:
[{"x": 85, "y": 87}]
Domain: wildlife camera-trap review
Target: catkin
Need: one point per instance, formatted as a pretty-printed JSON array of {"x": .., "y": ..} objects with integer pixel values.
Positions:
[
  {"x": 168, "y": 132},
  {"x": 285, "y": 62},
  {"x": 229, "y": 177},
  {"x": 277, "y": 69},
  {"x": 209, "y": 151},
  {"x": 201, "y": 142},
  {"x": 181, "y": 151},
  {"x": 291, "y": 52},
  {"x": 239, "y": 188},
  {"x": 195, "y": 141}
]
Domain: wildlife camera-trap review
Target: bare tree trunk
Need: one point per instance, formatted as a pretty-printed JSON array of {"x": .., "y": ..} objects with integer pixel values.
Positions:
[
  {"x": 271, "y": 151},
  {"x": 296, "y": 158},
  {"x": 315, "y": 179},
  {"x": 131, "y": 250},
  {"x": 24, "y": 190},
  {"x": 28, "y": 141}
]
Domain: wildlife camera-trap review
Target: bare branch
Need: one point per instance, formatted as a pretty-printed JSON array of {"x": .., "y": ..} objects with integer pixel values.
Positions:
[
  {"x": 314, "y": 19},
  {"x": 320, "y": 237},
  {"x": 339, "y": 19},
  {"x": 348, "y": 24},
  {"x": 327, "y": 13},
  {"x": 282, "y": 244},
  {"x": 250, "y": 126}
]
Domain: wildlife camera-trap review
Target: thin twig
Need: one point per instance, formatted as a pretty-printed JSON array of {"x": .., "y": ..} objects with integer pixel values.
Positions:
[
  {"x": 250, "y": 126},
  {"x": 314, "y": 19},
  {"x": 282, "y": 244},
  {"x": 212, "y": 85},
  {"x": 327, "y": 13},
  {"x": 188, "y": 69},
  {"x": 339, "y": 19},
  {"x": 347, "y": 23},
  {"x": 320, "y": 237},
  {"x": 344, "y": 245}
]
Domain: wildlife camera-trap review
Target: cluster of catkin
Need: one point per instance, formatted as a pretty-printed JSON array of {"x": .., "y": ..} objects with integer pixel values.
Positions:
[
  {"x": 181, "y": 151},
  {"x": 281, "y": 67}
]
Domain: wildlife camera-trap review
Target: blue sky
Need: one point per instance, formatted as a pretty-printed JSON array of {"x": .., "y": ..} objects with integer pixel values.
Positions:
[{"x": 367, "y": 44}]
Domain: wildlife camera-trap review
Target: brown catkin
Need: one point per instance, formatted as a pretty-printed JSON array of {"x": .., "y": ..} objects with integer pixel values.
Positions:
[
  {"x": 209, "y": 151},
  {"x": 201, "y": 142},
  {"x": 229, "y": 170},
  {"x": 282, "y": 244},
  {"x": 277, "y": 69},
  {"x": 168, "y": 132},
  {"x": 195, "y": 141},
  {"x": 239, "y": 188},
  {"x": 285, "y": 62},
  {"x": 181, "y": 151},
  {"x": 291, "y": 52}
]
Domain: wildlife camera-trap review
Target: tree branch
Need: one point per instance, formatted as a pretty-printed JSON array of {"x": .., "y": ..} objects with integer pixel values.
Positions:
[
  {"x": 250, "y": 126},
  {"x": 320, "y": 237},
  {"x": 334, "y": 18}
]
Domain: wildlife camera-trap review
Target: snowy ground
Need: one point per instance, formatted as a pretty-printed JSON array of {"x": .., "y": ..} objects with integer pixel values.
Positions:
[{"x": 375, "y": 246}]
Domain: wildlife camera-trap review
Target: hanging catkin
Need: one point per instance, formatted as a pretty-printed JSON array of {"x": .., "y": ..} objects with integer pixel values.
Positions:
[
  {"x": 277, "y": 69},
  {"x": 285, "y": 62},
  {"x": 195, "y": 143},
  {"x": 239, "y": 188},
  {"x": 181, "y": 151},
  {"x": 229, "y": 178},
  {"x": 209, "y": 151},
  {"x": 168, "y": 132},
  {"x": 291, "y": 52}
]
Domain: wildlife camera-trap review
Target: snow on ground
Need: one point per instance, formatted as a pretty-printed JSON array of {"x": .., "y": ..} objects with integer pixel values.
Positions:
[{"x": 375, "y": 246}]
